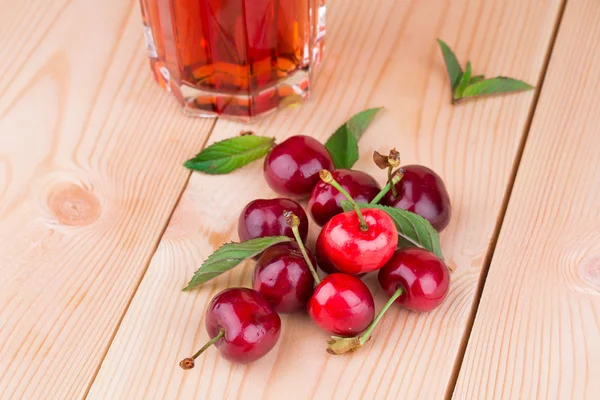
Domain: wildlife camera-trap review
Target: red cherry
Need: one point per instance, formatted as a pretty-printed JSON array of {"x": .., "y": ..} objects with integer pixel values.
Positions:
[
  {"x": 325, "y": 200},
  {"x": 342, "y": 305},
  {"x": 322, "y": 260},
  {"x": 423, "y": 192},
  {"x": 353, "y": 250},
  {"x": 242, "y": 325},
  {"x": 264, "y": 217},
  {"x": 423, "y": 277},
  {"x": 283, "y": 277},
  {"x": 292, "y": 167}
]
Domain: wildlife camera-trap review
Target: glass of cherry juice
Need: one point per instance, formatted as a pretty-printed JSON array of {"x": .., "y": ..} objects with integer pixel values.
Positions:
[{"x": 236, "y": 58}]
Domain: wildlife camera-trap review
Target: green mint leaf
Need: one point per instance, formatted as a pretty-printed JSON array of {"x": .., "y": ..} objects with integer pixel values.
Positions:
[
  {"x": 229, "y": 255},
  {"x": 343, "y": 144},
  {"x": 343, "y": 148},
  {"x": 464, "y": 82},
  {"x": 413, "y": 230},
  {"x": 476, "y": 79},
  {"x": 452, "y": 66},
  {"x": 403, "y": 243},
  {"x": 496, "y": 85},
  {"x": 230, "y": 154},
  {"x": 464, "y": 85}
]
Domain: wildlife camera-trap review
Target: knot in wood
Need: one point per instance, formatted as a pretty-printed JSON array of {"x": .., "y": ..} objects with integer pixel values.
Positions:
[{"x": 72, "y": 204}]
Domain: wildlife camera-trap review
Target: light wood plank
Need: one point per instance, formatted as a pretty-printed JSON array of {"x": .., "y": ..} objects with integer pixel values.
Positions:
[
  {"x": 90, "y": 171},
  {"x": 379, "y": 53},
  {"x": 537, "y": 330}
]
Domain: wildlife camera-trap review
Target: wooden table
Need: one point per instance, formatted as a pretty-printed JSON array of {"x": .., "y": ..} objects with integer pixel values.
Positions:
[{"x": 101, "y": 226}]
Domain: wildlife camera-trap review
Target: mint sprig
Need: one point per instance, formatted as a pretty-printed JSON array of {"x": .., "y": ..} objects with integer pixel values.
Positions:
[
  {"x": 343, "y": 144},
  {"x": 229, "y": 255},
  {"x": 465, "y": 86},
  {"x": 230, "y": 154}
]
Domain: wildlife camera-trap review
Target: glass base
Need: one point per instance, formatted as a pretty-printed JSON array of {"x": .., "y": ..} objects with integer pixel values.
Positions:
[
  {"x": 247, "y": 106},
  {"x": 196, "y": 102}
]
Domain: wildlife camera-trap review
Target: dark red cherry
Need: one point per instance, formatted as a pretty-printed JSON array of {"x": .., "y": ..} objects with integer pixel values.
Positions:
[
  {"x": 322, "y": 260},
  {"x": 293, "y": 247},
  {"x": 423, "y": 192},
  {"x": 264, "y": 217},
  {"x": 292, "y": 167},
  {"x": 242, "y": 325},
  {"x": 324, "y": 201},
  {"x": 423, "y": 277},
  {"x": 353, "y": 250},
  {"x": 342, "y": 305},
  {"x": 283, "y": 278}
]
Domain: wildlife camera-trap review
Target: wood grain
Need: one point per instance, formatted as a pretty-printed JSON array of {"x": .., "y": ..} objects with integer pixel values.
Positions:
[
  {"x": 380, "y": 53},
  {"x": 90, "y": 171},
  {"x": 537, "y": 330}
]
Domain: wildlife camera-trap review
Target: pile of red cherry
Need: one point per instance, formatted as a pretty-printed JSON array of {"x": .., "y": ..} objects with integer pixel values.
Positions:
[{"x": 243, "y": 323}]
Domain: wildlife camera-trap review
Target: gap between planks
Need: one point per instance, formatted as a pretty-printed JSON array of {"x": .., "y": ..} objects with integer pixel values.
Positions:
[
  {"x": 500, "y": 219},
  {"x": 147, "y": 263}
]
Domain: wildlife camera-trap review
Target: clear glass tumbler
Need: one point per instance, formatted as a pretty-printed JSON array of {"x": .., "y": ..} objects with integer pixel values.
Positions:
[{"x": 237, "y": 58}]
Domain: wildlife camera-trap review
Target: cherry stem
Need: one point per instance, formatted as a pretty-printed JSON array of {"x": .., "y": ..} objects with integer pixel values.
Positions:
[
  {"x": 365, "y": 336},
  {"x": 393, "y": 161},
  {"x": 188, "y": 363},
  {"x": 328, "y": 178},
  {"x": 294, "y": 222},
  {"x": 390, "y": 180},
  {"x": 395, "y": 179}
]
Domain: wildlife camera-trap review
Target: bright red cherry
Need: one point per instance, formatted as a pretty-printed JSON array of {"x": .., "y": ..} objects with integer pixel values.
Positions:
[
  {"x": 353, "y": 250},
  {"x": 342, "y": 305},
  {"x": 283, "y": 277},
  {"x": 423, "y": 277},
  {"x": 322, "y": 260},
  {"x": 292, "y": 167},
  {"x": 357, "y": 241},
  {"x": 325, "y": 200},
  {"x": 264, "y": 217},
  {"x": 423, "y": 192},
  {"x": 242, "y": 325}
]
